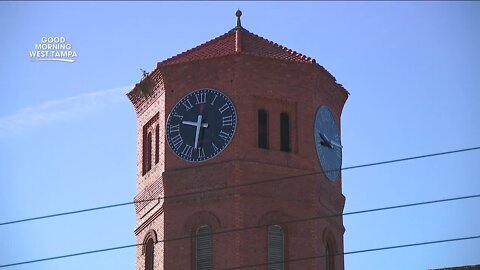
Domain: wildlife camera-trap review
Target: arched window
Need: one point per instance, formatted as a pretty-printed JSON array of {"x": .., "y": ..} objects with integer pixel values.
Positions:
[
  {"x": 262, "y": 129},
  {"x": 284, "y": 133},
  {"x": 149, "y": 254},
  {"x": 157, "y": 144},
  {"x": 144, "y": 152},
  {"x": 203, "y": 248},
  {"x": 276, "y": 254},
  {"x": 329, "y": 257},
  {"x": 148, "y": 154}
]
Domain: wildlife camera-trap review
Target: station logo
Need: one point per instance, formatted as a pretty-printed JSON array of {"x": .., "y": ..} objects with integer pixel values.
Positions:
[{"x": 53, "y": 49}]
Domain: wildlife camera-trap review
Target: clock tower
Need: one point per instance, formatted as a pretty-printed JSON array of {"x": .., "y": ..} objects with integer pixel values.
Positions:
[{"x": 239, "y": 154}]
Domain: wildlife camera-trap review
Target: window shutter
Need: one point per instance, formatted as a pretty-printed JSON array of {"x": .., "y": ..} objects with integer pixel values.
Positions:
[
  {"x": 203, "y": 248},
  {"x": 275, "y": 248}
]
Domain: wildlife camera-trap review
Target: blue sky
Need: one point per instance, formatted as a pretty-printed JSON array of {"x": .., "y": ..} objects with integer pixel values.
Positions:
[{"x": 68, "y": 132}]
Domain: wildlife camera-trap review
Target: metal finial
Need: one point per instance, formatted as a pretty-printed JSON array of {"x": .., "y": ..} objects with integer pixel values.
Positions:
[{"x": 238, "y": 14}]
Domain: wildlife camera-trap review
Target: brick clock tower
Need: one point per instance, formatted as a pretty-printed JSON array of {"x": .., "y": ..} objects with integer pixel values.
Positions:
[{"x": 239, "y": 139}]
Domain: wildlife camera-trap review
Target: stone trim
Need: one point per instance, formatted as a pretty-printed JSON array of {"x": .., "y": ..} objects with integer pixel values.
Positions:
[{"x": 147, "y": 222}]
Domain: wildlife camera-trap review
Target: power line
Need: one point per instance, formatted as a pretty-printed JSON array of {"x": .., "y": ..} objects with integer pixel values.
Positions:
[
  {"x": 364, "y": 251},
  {"x": 70, "y": 255},
  {"x": 411, "y": 158},
  {"x": 240, "y": 185},
  {"x": 260, "y": 264},
  {"x": 333, "y": 216},
  {"x": 70, "y": 213},
  {"x": 256, "y": 227}
]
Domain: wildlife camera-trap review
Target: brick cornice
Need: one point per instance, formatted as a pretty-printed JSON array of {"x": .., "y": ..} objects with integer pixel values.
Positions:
[
  {"x": 149, "y": 220},
  {"x": 153, "y": 192},
  {"x": 147, "y": 91}
]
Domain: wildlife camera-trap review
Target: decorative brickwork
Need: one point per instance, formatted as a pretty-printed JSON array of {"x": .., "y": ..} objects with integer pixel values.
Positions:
[
  {"x": 147, "y": 91},
  {"x": 223, "y": 193},
  {"x": 151, "y": 194}
]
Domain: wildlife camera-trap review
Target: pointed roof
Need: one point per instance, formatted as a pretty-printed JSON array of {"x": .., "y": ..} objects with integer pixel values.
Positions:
[
  {"x": 238, "y": 41},
  {"x": 234, "y": 42}
]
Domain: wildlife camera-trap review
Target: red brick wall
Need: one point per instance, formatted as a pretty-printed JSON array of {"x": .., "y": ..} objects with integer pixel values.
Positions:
[{"x": 251, "y": 83}]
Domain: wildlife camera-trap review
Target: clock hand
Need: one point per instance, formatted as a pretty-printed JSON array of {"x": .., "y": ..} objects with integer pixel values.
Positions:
[
  {"x": 325, "y": 141},
  {"x": 189, "y": 123},
  {"x": 198, "y": 125},
  {"x": 331, "y": 143},
  {"x": 197, "y": 132},
  {"x": 336, "y": 144},
  {"x": 194, "y": 124}
]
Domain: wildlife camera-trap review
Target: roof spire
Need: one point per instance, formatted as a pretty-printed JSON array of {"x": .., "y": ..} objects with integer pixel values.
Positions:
[
  {"x": 238, "y": 32},
  {"x": 238, "y": 14}
]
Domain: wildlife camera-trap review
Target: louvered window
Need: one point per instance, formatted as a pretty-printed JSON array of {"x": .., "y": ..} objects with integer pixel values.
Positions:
[
  {"x": 149, "y": 254},
  {"x": 203, "y": 256},
  {"x": 275, "y": 248}
]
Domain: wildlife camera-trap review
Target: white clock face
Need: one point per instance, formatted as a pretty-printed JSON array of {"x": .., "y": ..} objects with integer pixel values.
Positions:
[{"x": 327, "y": 141}]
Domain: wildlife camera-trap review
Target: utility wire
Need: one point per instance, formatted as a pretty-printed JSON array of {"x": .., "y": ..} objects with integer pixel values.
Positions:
[
  {"x": 260, "y": 226},
  {"x": 260, "y": 264},
  {"x": 330, "y": 216},
  {"x": 71, "y": 212},
  {"x": 240, "y": 185},
  {"x": 70, "y": 255},
  {"x": 362, "y": 251}
]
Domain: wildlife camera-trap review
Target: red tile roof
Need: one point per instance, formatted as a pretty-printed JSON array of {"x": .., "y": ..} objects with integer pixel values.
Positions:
[{"x": 238, "y": 40}]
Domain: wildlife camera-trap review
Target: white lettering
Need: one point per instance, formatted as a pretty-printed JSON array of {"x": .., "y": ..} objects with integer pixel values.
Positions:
[
  {"x": 53, "y": 39},
  {"x": 39, "y": 54},
  {"x": 55, "y": 47}
]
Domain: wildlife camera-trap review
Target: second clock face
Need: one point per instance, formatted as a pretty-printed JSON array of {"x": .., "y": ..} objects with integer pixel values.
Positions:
[
  {"x": 201, "y": 125},
  {"x": 327, "y": 140}
]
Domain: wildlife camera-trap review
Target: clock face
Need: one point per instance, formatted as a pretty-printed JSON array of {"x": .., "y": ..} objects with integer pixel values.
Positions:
[
  {"x": 201, "y": 125},
  {"x": 327, "y": 141}
]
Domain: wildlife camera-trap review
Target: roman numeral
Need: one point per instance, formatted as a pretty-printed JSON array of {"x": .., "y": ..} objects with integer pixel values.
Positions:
[
  {"x": 215, "y": 148},
  {"x": 223, "y": 108},
  {"x": 223, "y": 135},
  {"x": 177, "y": 141},
  {"x": 174, "y": 128},
  {"x": 213, "y": 101},
  {"x": 177, "y": 115},
  {"x": 188, "y": 105},
  {"x": 187, "y": 150},
  {"x": 227, "y": 120},
  {"x": 200, "y": 97},
  {"x": 201, "y": 153}
]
